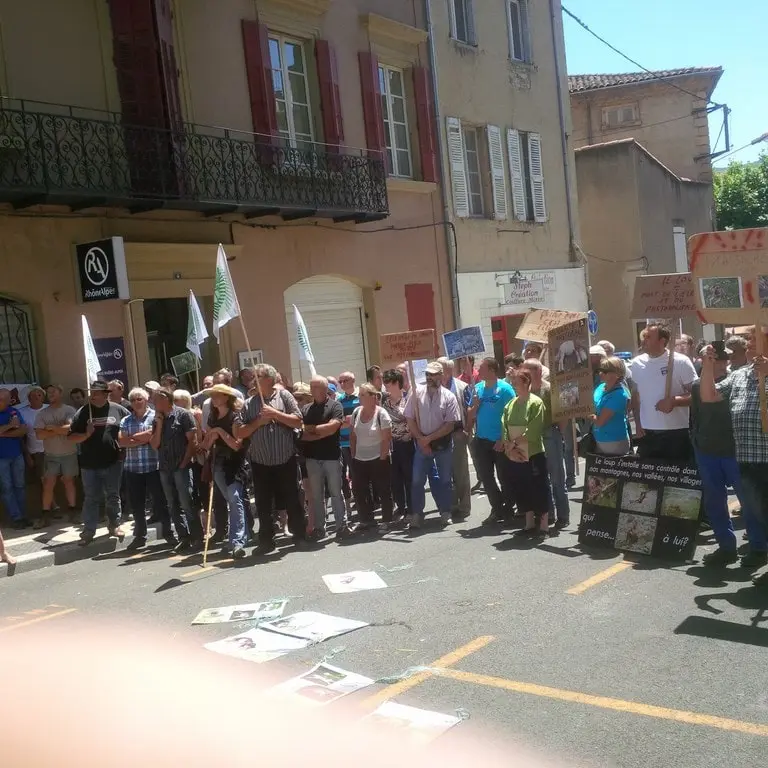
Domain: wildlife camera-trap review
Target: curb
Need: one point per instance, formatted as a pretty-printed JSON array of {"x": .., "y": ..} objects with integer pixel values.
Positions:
[{"x": 71, "y": 552}]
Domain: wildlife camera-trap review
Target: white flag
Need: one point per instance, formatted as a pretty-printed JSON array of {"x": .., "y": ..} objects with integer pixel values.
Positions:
[
  {"x": 92, "y": 364},
  {"x": 305, "y": 351},
  {"x": 225, "y": 306},
  {"x": 196, "y": 331}
]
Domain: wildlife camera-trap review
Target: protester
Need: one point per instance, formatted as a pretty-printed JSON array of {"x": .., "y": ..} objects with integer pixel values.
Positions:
[
  {"x": 661, "y": 422},
  {"x": 174, "y": 438},
  {"x": 433, "y": 414},
  {"x": 467, "y": 371},
  {"x": 553, "y": 435},
  {"x": 169, "y": 381},
  {"x": 491, "y": 397},
  {"x": 740, "y": 389},
  {"x": 608, "y": 347},
  {"x": 597, "y": 354},
  {"x": 96, "y": 428},
  {"x": 369, "y": 446},
  {"x": 403, "y": 369},
  {"x": 13, "y": 432},
  {"x": 737, "y": 345},
  {"x": 462, "y": 486},
  {"x": 207, "y": 382},
  {"x": 229, "y": 461},
  {"x": 402, "y": 444},
  {"x": 77, "y": 397},
  {"x": 349, "y": 401},
  {"x": 684, "y": 345},
  {"x": 511, "y": 363},
  {"x": 535, "y": 350},
  {"x": 183, "y": 399},
  {"x": 116, "y": 391},
  {"x": 315, "y": 519},
  {"x": 5, "y": 556},
  {"x": 60, "y": 455},
  {"x": 611, "y": 398},
  {"x": 332, "y": 389},
  {"x": 246, "y": 380},
  {"x": 34, "y": 449},
  {"x": 140, "y": 469},
  {"x": 320, "y": 445},
  {"x": 270, "y": 420},
  {"x": 522, "y": 431},
  {"x": 151, "y": 387}
]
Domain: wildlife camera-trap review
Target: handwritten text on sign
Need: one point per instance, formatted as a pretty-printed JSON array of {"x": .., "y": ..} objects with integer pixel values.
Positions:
[
  {"x": 538, "y": 323},
  {"x": 409, "y": 345},
  {"x": 661, "y": 296}
]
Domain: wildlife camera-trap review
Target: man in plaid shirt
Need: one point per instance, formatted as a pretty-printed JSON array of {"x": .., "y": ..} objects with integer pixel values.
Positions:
[{"x": 741, "y": 390}]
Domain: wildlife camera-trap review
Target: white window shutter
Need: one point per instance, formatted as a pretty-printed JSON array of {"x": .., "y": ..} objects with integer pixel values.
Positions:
[
  {"x": 452, "y": 18},
  {"x": 458, "y": 173},
  {"x": 498, "y": 183},
  {"x": 516, "y": 174},
  {"x": 537, "y": 177}
]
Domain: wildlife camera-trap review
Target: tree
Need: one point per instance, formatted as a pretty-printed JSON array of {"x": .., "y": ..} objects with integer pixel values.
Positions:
[{"x": 741, "y": 194}]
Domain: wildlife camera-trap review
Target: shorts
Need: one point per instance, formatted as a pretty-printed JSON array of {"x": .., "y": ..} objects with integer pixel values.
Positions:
[
  {"x": 61, "y": 465},
  {"x": 530, "y": 482}
]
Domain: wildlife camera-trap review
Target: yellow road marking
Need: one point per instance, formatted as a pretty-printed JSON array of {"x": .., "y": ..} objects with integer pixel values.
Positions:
[
  {"x": 605, "y": 702},
  {"x": 454, "y": 657},
  {"x": 38, "y": 619},
  {"x": 598, "y": 578},
  {"x": 219, "y": 564}
]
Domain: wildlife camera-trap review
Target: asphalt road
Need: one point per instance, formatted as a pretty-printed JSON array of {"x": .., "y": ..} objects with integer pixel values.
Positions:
[{"x": 646, "y": 664}]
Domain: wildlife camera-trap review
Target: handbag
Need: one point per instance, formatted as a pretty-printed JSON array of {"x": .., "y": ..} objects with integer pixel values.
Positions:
[{"x": 586, "y": 444}]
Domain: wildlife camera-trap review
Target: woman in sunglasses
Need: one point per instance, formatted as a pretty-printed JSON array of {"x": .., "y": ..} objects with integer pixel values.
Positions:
[{"x": 609, "y": 427}]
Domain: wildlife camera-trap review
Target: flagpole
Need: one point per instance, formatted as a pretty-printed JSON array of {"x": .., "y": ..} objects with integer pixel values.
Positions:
[
  {"x": 250, "y": 353},
  {"x": 88, "y": 386}
]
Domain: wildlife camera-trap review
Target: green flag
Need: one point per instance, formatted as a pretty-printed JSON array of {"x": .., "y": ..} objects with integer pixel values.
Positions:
[{"x": 225, "y": 306}]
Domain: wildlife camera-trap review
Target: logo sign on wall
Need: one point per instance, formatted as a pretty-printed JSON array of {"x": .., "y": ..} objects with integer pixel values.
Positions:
[
  {"x": 101, "y": 270},
  {"x": 111, "y": 354}
]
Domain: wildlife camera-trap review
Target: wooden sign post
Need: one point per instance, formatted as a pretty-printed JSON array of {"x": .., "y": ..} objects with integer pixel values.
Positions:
[{"x": 730, "y": 270}]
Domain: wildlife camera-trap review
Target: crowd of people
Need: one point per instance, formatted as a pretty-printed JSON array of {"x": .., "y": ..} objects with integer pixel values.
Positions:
[{"x": 257, "y": 449}]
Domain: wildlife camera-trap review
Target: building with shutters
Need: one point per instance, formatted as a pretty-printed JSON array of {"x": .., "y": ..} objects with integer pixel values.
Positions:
[
  {"x": 301, "y": 134},
  {"x": 504, "y": 118}
]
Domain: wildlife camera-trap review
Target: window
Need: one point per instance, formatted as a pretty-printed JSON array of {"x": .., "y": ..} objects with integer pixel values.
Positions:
[
  {"x": 527, "y": 176},
  {"x": 517, "y": 23},
  {"x": 395, "y": 122},
  {"x": 472, "y": 169},
  {"x": 289, "y": 80},
  {"x": 462, "y": 21},
  {"x": 17, "y": 360},
  {"x": 615, "y": 117}
]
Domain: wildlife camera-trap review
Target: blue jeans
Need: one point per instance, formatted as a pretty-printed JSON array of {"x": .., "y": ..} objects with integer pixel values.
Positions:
[
  {"x": 233, "y": 493},
  {"x": 754, "y": 483},
  {"x": 570, "y": 455},
  {"x": 101, "y": 485},
  {"x": 12, "y": 487},
  {"x": 320, "y": 472},
  {"x": 717, "y": 474},
  {"x": 440, "y": 482},
  {"x": 555, "y": 452},
  {"x": 177, "y": 484}
]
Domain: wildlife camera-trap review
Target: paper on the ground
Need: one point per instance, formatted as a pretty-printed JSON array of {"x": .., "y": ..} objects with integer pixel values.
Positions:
[
  {"x": 313, "y": 626},
  {"x": 421, "y": 725},
  {"x": 322, "y": 684},
  {"x": 252, "y": 612},
  {"x": 354, "y": 581},
  {"x": 257, "y": 645}
]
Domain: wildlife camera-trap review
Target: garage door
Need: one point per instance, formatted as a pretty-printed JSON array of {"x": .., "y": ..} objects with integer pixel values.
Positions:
[{"x": 332, "y": 309}]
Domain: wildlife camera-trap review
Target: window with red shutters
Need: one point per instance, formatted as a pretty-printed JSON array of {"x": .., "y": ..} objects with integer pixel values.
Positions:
[
  {"x": 372, "y": 114},
  {"x": 168, "y": 70},
  {"x": 425, "y": 120},
  {"x": 330, "y": 97},
  {"x": 420, "y": 306},
  {"x": 259, "y": 72}
]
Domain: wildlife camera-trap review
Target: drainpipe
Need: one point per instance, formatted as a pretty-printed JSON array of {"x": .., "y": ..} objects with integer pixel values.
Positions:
[{"x": 450, "y": 232}]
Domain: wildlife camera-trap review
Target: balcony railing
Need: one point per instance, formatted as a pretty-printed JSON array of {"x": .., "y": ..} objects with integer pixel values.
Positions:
[{"x": 50, "y": 156}]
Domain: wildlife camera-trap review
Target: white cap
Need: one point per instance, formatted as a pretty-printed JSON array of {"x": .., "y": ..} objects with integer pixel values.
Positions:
[
  {"x": 597, "y": 350},
  {"x": 152, "y": 386}
]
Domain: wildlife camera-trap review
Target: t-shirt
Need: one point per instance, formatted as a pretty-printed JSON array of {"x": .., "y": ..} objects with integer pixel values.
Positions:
[
  {"x": 616, "y": 399},
  {"x": 274, "y": 443},
  {"x": 396, "y": 411},
  {"x": 10, "y": 447},
  {"x": 368, "y": 434},
  {"x": 491, "y": 404},
  {"x": 530, "y": 415},
  {"x": 327, "y": 448},
  {"x": 348, "y": 404},
  {"x": 56, "y": 416},
  {"x": 650, "y": 377},
  {"x": 101, "y": 449},
  {"x": 711, "y": 426},
  {"x": 29, "y": 414},
  {"x": 173, "y": 442}
]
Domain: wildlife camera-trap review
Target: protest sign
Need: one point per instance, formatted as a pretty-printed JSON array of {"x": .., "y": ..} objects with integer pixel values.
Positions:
[
  {"x": 570, "y": 373},
  {"x": 419, "y": 371},
  {"x": 186, "y": 362},
  {"x": 252, "y": 612},
  {"x": 354, "y": 581},
  {"x": 664, "y": 296},
  {"x": 417, "y": 726},
  {"x": 321, "y": 685},
  {"x": 257, "y": 645},
  {"x": 409, "y": 345},
  {"x": 464, "y": 342},
  {"x": 641, "y": 505},
  {"x": 313, "y": 626},
  {"x": 537, "y": 323}
]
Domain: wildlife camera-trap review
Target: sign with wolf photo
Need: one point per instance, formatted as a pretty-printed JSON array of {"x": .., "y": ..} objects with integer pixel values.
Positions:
[
  {"x": 186, "y": 362},
  {"x": 537, "y": 323},
  {"x": 570, "y": 374},
  {"x": 397, "y": 348},
  {"x": 646, "y": 506},
  {"x": 464, "y": 342}
]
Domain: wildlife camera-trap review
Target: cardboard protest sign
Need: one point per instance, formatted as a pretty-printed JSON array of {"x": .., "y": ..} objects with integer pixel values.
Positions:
[
  {"x": 409, "y": 345},
  {"x": 464, "y": 342},
  {"x": 641, "y": 505},
  {"x": 570, "y": 373},
  {"x": 664, "y": 296},
  {"x": 537, "y": 323}
]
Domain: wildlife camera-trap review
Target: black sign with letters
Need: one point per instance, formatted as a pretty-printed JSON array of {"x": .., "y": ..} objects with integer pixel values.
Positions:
[
  {"x": 111, "y": 354},
  {"x": 641, "y": 505},
  {"x": 101, "y": 270}
]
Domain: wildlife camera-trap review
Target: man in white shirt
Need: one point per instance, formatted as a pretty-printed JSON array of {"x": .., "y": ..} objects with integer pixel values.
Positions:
[
  {"x": 35, "y": 449},
  {"x": 661, "y": 422}
]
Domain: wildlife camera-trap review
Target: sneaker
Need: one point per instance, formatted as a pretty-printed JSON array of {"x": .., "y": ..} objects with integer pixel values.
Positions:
[
  {"x": 183, "y": 546},
  {"x": 86, "y": 537},
  {"x": 265, "y": 548},
  {"x": 720, "y": 557},
  {"x": 760, "y": 579},
  {"x": 238, "y": 553},
  {"x": 368, "y": 526},
  {"x": 492, "y": 520},
  {"x": 415, "y": 523},
  {"x": 445, "y": 518},
  {"x": 345, "y": 532},
  {"x": 560, "y": 524},
  {"x": 116, "y": 532},
  {"x": 42, "y": 522},
  {"x": 754, "y": 560},
  {"x": 137, "y": 544}
]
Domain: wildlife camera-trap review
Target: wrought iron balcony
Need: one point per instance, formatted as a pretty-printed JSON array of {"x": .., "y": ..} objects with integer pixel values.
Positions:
[{"x": 52, "y": 154}]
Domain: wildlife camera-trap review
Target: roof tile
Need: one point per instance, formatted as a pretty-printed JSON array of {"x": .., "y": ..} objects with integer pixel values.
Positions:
[{"x": 578, "y": 83}]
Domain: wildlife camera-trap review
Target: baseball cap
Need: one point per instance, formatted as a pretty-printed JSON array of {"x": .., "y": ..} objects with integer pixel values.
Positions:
[
  {"x": 331, "y": 386},
  {"x": 99, "y": 386},
  {"x": 152, "y": 386},
  {"x": 597, "y": 350},
  {"x": 434, "y": 368}
]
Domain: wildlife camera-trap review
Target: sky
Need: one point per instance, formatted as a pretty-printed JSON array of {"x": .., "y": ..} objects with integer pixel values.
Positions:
[{"x": 668, "y": 34}]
